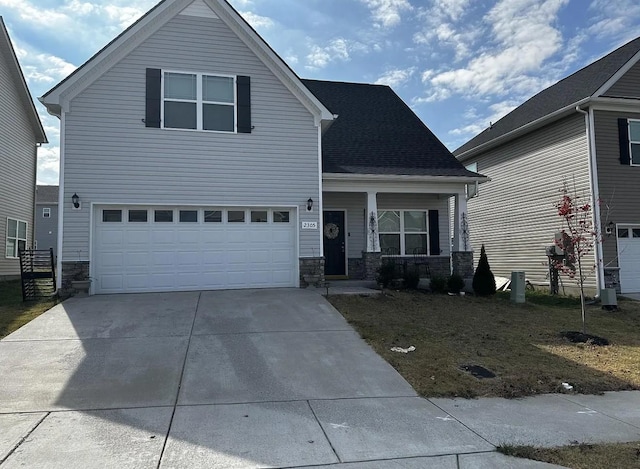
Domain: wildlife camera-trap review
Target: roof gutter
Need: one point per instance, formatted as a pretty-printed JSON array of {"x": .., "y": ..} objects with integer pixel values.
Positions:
[
  {"x": 402, "y": 178},
  {"x": 522, "y": 129}
]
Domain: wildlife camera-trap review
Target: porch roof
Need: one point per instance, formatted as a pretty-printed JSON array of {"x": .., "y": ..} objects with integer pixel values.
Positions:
[{"x": 377, "y": 133}]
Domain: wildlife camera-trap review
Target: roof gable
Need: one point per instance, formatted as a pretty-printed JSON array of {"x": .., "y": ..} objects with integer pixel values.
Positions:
[
  {"x": 590, "y": 81},
  {"x": 58, "y": 98},
  {"x": 6, "y": 50},
  {"x": 47, "y": 194},
  {"x": 377, "y": 133}
]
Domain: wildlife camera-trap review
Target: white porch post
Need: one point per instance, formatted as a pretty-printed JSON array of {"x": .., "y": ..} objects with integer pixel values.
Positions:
[
  {"x": 373, "y": 238},
  {"x": 460, "y": 224}
]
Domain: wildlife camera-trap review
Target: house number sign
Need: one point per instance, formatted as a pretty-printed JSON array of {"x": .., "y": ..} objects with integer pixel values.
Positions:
[{"x": 309, "y": 225}]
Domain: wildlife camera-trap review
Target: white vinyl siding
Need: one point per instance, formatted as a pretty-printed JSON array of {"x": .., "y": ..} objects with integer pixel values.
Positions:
[
  {"x": 514, "y": 216},
  {"x": 17, "y": 161},
  {"x": 111, "y": 157}
]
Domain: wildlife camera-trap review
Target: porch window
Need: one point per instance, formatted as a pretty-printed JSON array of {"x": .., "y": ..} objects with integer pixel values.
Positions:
[{"x": 403, "y": 232}]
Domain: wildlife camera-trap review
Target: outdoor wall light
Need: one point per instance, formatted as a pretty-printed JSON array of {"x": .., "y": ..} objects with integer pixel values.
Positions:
[
  {"x": 76, "y": 200},
  {"x": 309, "y": 204},
  {"x": 610, "y": 228}
]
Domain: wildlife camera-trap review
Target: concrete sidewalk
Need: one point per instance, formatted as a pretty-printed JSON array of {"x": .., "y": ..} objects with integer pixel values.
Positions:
[{"x": 248, "y": 379}]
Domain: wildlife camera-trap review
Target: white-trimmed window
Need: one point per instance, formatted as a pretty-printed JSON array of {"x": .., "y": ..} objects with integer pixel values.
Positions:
[
  {"x": 16, "y": 237},
  {"x": 634, "y": 142},
  {"x": 198, "y": 102},
  {"x": 46, "y": 212},
  {"x": 403, "y": 232}
]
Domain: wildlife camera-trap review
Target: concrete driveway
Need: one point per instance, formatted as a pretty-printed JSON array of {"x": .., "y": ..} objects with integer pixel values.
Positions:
[{"x": 224, "y": 379}]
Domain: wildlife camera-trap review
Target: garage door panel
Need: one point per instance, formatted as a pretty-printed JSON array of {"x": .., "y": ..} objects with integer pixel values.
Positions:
[
  {"x": 112, "y": 238},
  {"x": 629, "y": 262},
  {"x": 154, "y": 256},
  {"x": 112, "y": 260},
  {"x": 138, "y": 237},
  {"x": 189, "y": 237},
  {"x": 111, "y": 282},
  {"x": 162, "y": 236}
]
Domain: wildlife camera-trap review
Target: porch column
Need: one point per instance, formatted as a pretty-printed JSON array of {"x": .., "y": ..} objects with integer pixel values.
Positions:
[
  {"x": 461, "y": 224},
  {"x": 373, "y": 238},
  {"x": 462, "y": 255}
]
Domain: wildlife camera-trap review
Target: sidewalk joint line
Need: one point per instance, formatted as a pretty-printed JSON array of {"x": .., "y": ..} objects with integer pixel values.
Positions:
[
  {"x": 24, "y": 438},
  {"x": 313, "y": 412},
  {"x": 184, "y": 365}
]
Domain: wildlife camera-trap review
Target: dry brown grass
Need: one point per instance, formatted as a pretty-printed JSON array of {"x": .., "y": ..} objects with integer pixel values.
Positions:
[
  {"x": 605, "y": 456},
  {"x": 519, "y": 343},
  {"x": 13, "y": 312}
]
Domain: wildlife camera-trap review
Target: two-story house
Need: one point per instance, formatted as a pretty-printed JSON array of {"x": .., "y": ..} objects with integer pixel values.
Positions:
[
  {"x": 193, "y": 157},
  {"x": 46, "y": 235},
  {"x": 21, "y": 133},
  {"x": 583, "y": 131}
]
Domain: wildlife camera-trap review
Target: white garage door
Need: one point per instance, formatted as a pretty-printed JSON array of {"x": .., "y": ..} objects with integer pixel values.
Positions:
[
  {"x": 629, "y": 258},
  {"x": 146, "y": 249}
]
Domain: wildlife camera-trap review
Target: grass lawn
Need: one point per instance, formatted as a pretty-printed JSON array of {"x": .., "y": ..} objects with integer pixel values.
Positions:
[
  {"x": 13, "y": 312},
  {"x": 521, "y": 344}
]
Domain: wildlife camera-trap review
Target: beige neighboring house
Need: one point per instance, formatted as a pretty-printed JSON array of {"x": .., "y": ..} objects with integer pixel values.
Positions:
[
  {"x": 21, "y": 133},
  {"x": 585, "y": 131}
]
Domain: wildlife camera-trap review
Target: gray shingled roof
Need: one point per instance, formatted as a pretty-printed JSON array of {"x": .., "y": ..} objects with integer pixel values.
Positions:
[
  {"x": 572, "y": 89},
  {"x": 47, "y": 194},
  {"x": 377, "y": 133}
]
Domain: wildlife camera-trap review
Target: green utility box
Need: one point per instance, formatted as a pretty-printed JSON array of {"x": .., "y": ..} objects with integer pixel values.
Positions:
[
  {"x": 608, "y": 297},
  {"x": 518, "y": 283}
]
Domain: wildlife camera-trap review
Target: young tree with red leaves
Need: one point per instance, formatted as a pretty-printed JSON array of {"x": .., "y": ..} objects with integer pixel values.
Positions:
[{"x": 578, "y": 240}]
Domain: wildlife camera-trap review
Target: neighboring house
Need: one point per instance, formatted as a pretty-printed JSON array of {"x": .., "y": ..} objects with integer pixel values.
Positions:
[
  {"x": 20, "y": 134},
  {"x": 47, "y": 218},
  {"x": 201, "y": 161},
  {"x": 583, "y": 131}
]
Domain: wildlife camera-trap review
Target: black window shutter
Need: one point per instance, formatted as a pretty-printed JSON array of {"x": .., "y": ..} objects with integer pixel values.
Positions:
[
  {"x": 153, "y": 98},
  {"x": 623, "y": 134},
  {"x": 434, "y": 233},
  {"x": 243, "y": 85}
]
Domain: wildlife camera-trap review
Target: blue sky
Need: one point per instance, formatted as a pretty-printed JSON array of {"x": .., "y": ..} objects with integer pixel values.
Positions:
[{"x": 460, "y": 64}]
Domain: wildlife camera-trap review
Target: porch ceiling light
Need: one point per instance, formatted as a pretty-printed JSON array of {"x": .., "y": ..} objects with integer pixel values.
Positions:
[{"x": 76, "y": 200}]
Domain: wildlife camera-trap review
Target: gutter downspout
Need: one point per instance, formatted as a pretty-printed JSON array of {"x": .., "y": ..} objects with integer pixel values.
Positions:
[
  {"x": 35, "y": 197},
  {"x": 595, "y": 194}
]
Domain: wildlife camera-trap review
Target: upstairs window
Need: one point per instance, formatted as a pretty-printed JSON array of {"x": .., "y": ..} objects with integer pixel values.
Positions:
[
  {"x": 199, "y": 102},
  {"x": 46, "y": 212},
  {"x": 634, "y": 142}
]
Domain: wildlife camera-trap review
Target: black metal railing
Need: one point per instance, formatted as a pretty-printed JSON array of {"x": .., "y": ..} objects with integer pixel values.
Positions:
[{"x": 38, "y": 274}]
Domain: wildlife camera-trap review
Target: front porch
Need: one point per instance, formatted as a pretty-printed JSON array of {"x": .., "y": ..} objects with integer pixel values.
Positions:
[{"x": 415, "y": 224}]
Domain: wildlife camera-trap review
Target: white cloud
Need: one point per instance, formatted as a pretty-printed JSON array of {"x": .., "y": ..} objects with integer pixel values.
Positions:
[
  {"x": 387, "y": 13},
  {"x": 395, "y": 78},
  {"x": 496, "y": 112},
  {"x": 525, "y": 37},
  {"x": 443, "y": 26},
  {"x": 614, "y": 19},
  {"x": 257, "y": 21},
  {"x": 336, "y": 50},
  {"x": 48, "y": 164}
]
